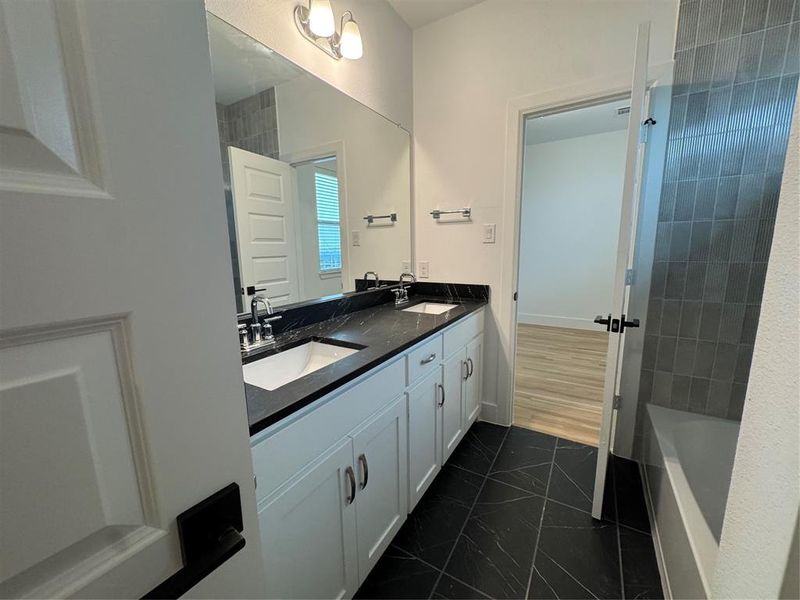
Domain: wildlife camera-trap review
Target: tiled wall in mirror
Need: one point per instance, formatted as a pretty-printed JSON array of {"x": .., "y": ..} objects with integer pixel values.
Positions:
[{"x": 304, "y": 165}]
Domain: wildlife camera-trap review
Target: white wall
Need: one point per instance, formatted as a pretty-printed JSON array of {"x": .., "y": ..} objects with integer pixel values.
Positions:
[
  {"x": 762, "y": 509},
  {"x": 571, "y": 196},
  {"x": 381, "y": 79},
  {"x": 374, "y": 170},
  {"x": 468, "y": 68}
]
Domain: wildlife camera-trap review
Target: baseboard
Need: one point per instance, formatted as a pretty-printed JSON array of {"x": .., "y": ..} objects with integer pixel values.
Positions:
[
  {"x": 555, "y": 321},
  {"x": 651, "y": 515}
]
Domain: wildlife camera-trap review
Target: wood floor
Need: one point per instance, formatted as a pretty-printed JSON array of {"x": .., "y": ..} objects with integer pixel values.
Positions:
[{"x": 559, "y": 381}]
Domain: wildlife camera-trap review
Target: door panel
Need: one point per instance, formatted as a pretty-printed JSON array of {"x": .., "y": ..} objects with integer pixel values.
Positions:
[
  {"x": 424, "y": 436},
  {"x": 630, "y": 201},
  {"x": 111, "y": 212},
  {"x": 472, "y": 399},
  {"x": 265, "y": 205},
  {"x": 380, "y": 450},
  {"x": 453, "y": 407},
  {"x": 312, "y": 506}
]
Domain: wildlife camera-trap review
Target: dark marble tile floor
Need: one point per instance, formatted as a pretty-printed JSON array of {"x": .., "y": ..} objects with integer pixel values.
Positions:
[{"x": 509, "y": 517}]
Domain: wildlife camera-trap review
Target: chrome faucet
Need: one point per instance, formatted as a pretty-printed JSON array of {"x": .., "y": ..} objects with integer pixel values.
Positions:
[
  {"x": 377, "y": 279},
  {"x": 260, "y": 328},
  {"x": 401, "y": 294}
]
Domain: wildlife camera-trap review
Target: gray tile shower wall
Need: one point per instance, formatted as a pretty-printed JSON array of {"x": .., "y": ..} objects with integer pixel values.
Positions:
[
  {"x": 250, "y": 124},
  {"x": 736, "y": 76}
]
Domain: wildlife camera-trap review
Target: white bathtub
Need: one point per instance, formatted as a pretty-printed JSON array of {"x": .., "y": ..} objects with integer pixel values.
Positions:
[{"x": 688, "y": 463}]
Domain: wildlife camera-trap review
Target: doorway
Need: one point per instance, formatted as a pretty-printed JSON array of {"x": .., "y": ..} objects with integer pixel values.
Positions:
[{"x": 572, "y": 180}]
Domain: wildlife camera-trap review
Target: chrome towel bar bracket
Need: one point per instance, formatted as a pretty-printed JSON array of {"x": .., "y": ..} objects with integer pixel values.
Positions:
[
  {"x": 391, "y": 216},
  {"x": 465, "y": 212}
]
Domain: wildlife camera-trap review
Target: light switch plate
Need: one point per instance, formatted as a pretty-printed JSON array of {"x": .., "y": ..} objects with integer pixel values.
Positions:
[
  {"x": 406, "y": 266},
  {"x": 424, "y": 269},
  {"x": 356, "y": 237},
  {"x": 489, "y": 232}
]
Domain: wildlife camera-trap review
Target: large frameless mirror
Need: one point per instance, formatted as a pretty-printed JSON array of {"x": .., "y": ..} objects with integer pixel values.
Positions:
[{"x": 317, "y": 186}]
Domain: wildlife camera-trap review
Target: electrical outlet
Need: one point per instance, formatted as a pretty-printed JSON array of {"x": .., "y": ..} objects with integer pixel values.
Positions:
[
  {"x": 489, "y": 232},
  {"x": 356, "y": 237},
  {"x": 406, "y": 266},
  {"x": 424, "y": 269}
]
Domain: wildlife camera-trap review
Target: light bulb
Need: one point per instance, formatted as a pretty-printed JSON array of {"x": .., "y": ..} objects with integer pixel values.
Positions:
[
  {"x": 320, "y": 18},
  {"x": 350, "y": 43}
]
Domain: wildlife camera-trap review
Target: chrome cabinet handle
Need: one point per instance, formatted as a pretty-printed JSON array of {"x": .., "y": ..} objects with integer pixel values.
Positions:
[
  {"x": 465, "y": 369},
  {"x": 470, "y": 367},
  {"x": 441, "y": 387},
  {"x": 351, "y": 477},
  {"x": 362, "y": 460},
  {"x": 430, "y": 359}
]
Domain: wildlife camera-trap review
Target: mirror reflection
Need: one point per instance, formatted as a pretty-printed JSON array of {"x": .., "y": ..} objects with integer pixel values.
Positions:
[{"x": 317, "y": 186}]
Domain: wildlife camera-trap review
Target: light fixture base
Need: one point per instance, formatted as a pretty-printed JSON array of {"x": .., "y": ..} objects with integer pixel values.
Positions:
[{"x": 329, "y": 46}]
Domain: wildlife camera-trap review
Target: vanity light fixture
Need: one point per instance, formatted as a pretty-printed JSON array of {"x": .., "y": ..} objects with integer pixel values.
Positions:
[{"x": 317, "y": 25}]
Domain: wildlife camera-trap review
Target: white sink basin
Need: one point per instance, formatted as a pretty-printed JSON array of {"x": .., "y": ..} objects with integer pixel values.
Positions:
[
  {"x": 275, "y": 370},
  {"x": 430, "y": 308}
]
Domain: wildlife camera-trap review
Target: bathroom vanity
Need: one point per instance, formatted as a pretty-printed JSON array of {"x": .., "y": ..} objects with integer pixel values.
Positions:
[
  {"x": 358, "y": 388},
  {"x": 343, "y": 454}
]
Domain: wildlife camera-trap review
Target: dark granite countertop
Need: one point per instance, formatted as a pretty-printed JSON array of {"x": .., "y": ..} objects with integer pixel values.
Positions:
[{"x": 384, "y": 330}]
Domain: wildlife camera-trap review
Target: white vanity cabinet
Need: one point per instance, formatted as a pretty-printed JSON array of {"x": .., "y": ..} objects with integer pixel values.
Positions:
[
  {"x": 381, "y": 500},
  {"x": 308, "y": 531},
  {"x": 336, "y": 480},
  {"x": 424, "y": 434}
]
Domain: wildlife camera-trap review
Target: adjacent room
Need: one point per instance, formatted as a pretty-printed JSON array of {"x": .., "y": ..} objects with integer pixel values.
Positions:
[{"x": 573, "y": 170}]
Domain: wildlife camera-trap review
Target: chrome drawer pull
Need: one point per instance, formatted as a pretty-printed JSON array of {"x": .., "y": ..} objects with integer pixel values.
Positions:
[
  {"x": 430, "y": 359},
  {"x": 471, "y": 367},
  {"x": 441, "y": 387}
]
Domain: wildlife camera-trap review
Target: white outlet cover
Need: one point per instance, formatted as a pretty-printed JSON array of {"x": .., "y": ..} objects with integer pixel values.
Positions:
[
  {"x": 355, "y": 236},
  {"x": 489, "y": 233},
  {"x": 424, "y": 269},
  {"x": 406, "y": 266}
]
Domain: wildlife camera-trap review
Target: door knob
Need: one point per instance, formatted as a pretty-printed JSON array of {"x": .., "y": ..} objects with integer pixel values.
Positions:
[{"x": 601, "y": 321}]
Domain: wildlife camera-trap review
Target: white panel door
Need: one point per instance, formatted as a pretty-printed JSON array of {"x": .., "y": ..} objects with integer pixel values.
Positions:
[
  {"x": 121, "y": 400},
  {"x": 453, "y": 418},
  {"x": 630, "y": 202},
  {"x": 474, "y": 383},
  {"x": 315, "y": 505},
  {"x": 424, "y": 435},
  {"x": 265, "y": 204},
  {"x": 381, "y": 450}
]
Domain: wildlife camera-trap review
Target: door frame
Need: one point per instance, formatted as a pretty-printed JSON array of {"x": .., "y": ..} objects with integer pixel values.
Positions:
[
  {"x": 583, "y": 93},
  {"x": 337, "y": 150},
  {"x": 623, "y": 95}
]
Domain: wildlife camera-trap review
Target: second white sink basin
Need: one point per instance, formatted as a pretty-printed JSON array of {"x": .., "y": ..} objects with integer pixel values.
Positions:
[
  {"x": 275, "y": 370},
  {"x": 430, "y": 308}
]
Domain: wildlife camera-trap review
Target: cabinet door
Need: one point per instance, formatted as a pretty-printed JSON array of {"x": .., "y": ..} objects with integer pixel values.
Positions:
[
  {"x": 424, "y": 436},
  {"x": 453, "y": 406},
  {"x": 474, "y": 384},
  {"x": 381, "y": 451},
  {"x": 308, "y": 531}
]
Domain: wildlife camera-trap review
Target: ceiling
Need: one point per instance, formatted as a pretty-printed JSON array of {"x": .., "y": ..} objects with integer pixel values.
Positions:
[
  {"x": 421, "y": 12},
  {"x": 600, "y": 118},
  {"x": 242, "y": 66}
]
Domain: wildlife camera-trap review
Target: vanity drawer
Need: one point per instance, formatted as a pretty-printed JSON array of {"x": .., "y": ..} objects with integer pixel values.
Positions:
[
  {"x": 423, "y": 359},
  {"x": 461, "y": 334},
  {"x": 285, "y": 452}
]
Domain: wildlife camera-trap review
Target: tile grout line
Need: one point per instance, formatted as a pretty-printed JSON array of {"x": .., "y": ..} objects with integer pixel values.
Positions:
[
  {"x": 441, "y": 571},
  {"x": 464, "y": 524},
  {"x": 619, "y": 539},
  {"x": 541, "y": 520}
]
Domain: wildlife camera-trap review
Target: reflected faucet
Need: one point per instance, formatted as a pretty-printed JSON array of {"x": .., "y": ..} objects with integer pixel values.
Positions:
[
  {"x": 401, "y": 294},
  {"x": 261, "y": 329},
  {"x": 377, "y": 279}
]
